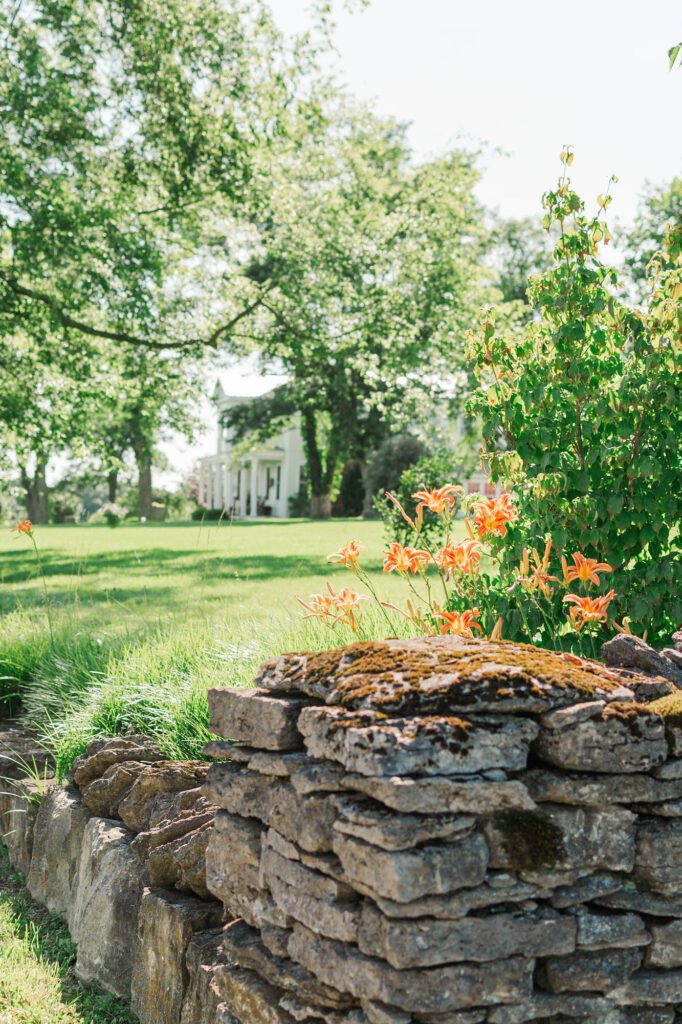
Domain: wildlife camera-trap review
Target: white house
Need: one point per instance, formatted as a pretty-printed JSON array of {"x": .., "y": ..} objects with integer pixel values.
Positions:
[
  {"x": 252, "y": 482},
  {"x": 255, "y": 482}
]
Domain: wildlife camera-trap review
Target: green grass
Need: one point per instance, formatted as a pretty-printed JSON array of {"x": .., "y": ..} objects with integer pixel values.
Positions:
[
  {"x": 144, "y": 618},
  {"x": 37, "y": 980}
]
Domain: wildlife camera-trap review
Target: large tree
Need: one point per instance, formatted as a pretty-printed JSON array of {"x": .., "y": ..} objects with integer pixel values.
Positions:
[{"x": 366, "y": 269}]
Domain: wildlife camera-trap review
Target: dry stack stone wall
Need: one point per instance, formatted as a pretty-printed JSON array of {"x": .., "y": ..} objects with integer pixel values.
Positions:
[{"x": 447, "y": 831}]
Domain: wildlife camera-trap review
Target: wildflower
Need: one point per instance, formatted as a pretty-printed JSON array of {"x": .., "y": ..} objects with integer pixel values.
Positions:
[
  {"x": 24, "y": 526},
  {"x": 319, "y": 606},
  {"x": 347, "y": 605},
  {"x": 536, "y": 576},
  {"x": 460, "y": 623},
  {"x": 584, "y": 569},
  {"x": 410, "y": 522},
  {"x": 463, "y": 557},
  {"x": 492, "y": 515},
  {"x": 405, "y": 559},
  {"x": 441, "y": 500},
  {"x": 589, "y": 609},
  {"x": 348, "y": 556}
]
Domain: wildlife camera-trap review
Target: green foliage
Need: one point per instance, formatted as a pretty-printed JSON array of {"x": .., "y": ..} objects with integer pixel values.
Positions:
[
  {"x": 659, "y": 210},
  {"x": 428, "y": 472},
  {"x": 675, "y": 56},
  {"x": 520, "y": 249},
  {"x": 351, "y": 499},
  {"x": 582, "y": 416},
  {"x": 390, "y": 461}
]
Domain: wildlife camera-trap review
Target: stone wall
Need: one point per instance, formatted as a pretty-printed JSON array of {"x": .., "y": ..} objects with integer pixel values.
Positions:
[
  {"x": 448, "y": 831},
  {"x": 440, "y": 831}
]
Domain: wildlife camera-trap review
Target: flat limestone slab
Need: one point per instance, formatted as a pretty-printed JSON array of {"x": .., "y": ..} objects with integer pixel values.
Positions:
[
  {"x": 439, "y": 794},
  {"x": 254, "y": 717},
  {"x": 58, "y": 841}
]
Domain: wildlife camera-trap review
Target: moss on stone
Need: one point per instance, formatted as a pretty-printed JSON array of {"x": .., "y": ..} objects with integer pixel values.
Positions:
[{"x": 531, "y": 840}]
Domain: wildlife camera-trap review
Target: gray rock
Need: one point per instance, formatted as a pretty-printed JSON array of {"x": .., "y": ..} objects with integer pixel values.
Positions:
[
  {"x": 605, "y": 931},
  {"x": 499, "y": 887},
  {"x": 616, "y": 739},
  {"x": 548, "y": 1007},
  {"x": 371, "y": 744},
  {"x": 103, "y": 795},
  {"x": 58, "y": 840},
  {"x": 666, "y": 945},
  {"x": 677, "y": 640},
  {"x": 318, "y": 777},
  {"x": 169, "y": 806},
  {"x": 19, "y": 803},
  {"x": 283, "y": 765},
  {"x": 441, "y": 675},
  {"x": 442, "y": 795},
  {"x": 305, "y": 820},
  {"x": 181, "y": 862},
  {"x": 650, "y": 987},
  {"x": 405, "y": 875},
  {"x": 166, "y": 924},
  {"x": 173, "y": 828},
  {"x": 255, "y": 718},
  {"x": 599, "y": 971},
  {"x": 627, "y": 651},
  {"x": 630, "y": 898},
  {"x": 427, "y": 942},
  {"x": 22, "y": 754},
  {"x": 245, "y": 998},
  {"x": 674, "y": 655},
  {"x": 598, "y": 790},
  {"x": 436, "y": 990},
  {"x": 659, "y": 850},
  {"x": 101, "y": 754},
  {"x": 108, "y": 894},
  {"x": 375, "y": 824},
  {"x": 137, "y": 806},
  {"x": 204, "y": 953},
  {"x": 585, "y": 889}
]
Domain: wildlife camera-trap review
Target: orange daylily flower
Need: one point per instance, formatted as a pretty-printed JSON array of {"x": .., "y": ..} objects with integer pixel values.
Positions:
[
  {"x": 588, "y": 609},
  {"x": 584, "y": 569},
  {"x": 348, "y": 606},
  {"x": 23, "y": 526},
  {"x": 491, "y": 515},
  {"x": 536, "y": 576},
  {"x": 348, "y": 556},
  {"x": 410, "y": 522},
  {"x": 342, "y": 607},
  {"x": 460, "y": 623},
  {"x": 463, "y": 557},
  {"x": 402, "y": 559},
  {"x": 319, "y": 606},
  {"x": 440, "y": 500}
]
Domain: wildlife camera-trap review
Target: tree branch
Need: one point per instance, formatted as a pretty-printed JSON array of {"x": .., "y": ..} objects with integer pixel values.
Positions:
[{"x": 66, "y": 320}]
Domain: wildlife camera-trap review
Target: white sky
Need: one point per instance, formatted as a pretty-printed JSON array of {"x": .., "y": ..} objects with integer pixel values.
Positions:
[{"x": 521, "y": 79}]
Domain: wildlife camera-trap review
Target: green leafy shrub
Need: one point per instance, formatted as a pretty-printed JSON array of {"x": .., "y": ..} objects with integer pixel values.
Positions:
[
  {"x": 429, "y": 472},
  {"x": 582, "y": 413},
  {"x": 390, "y": 461}
]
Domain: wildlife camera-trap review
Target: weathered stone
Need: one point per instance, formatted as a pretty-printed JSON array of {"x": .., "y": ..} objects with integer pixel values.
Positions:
[
  {"x": 318, "y": 777},
  {"x": 371, "y": 744},
  {"x": 404, "y": 875},
  {"x": 19, "y": 803},
  {"x": 547, "y": 1007},
  {"x": 673, "y": 654},
  {"x": 669, "y": 770},
  {"x": 599, "y": 971},
  {"x": 166, "y": 923},
  {"x": 650, "y": 987},
  {"x": 305, "y": 820},
  {"x": 627, "y": 651},
  {"x": 165, "y": 777},
  {"x": 427, "y": 942},
  {"x": 108, "y": 894},
  {"x": 441, "y": 675},
  {"x": 499, "y": 887},
  {"x": 442, "y": 795},
  {"x": 103, "y": 795},
  {"x": 605, "y": 931},
  {"x": 103, "y": 753},
  {"x": 435, "y": 990},
  {"x": 57, "y": 847},
  {"x": 631, "y": 898},
  {"x": 181, "y": 862},
  {"x": 677, "y": 640},
  {"x": 302, "y": 1011},
  {"x": 169, "y": 806},
  {"x": 616, "y": 738},
  {"x": 577, "y": 788},
  {"x": 283, "y": 765},
  {"x": 560, "y": 837},
  {"x": 375, "y": 824},
  {"x": 666, "y": 945},
  {"x": 246, "y": 998},
  {"x": 317, "y": 900},
  {"x": 588, "y": 888},
  {"x": 204, "y": 953},
  {"x": 243, "y": 944},
  {"x": 255, "y": 718},
  {"x": 659, "y": 850},
  {"x": 172, "y": 828}
]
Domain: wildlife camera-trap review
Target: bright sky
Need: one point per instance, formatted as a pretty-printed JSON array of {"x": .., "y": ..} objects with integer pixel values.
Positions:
[{"x": 520, "y": 79}]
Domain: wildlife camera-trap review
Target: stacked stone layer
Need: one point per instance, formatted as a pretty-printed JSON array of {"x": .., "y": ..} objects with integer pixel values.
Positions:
[{"x": 448, "y": 830}]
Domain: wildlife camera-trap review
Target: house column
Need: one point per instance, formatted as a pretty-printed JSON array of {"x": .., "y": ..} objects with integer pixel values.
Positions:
[
  {"x": 229, "y": 497},
  {"x": 219, "y": 485},
  {"x": 254, "y": 488},
  {"x": 200, "y": 485},
  {"x": 208, "y": 491}
]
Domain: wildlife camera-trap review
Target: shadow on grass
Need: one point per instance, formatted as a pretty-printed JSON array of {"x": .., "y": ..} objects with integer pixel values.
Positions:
[{"x": 43, "y": 942}]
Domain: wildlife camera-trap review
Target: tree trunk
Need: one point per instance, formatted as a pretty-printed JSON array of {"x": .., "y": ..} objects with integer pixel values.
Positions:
[
  {"x": 37, "y": 495},
  {"x": 112, "y": 485},
  {"x": 321, "y": 506},
  {"x": 143, "y": 459}
]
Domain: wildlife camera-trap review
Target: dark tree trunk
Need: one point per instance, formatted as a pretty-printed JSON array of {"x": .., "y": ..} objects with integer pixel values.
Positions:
[
  {"x": 321, "y": 502},
  {"x": 143, "y": 459},
  {"x": 37, "y": 495},
  {"x": 112, "y": 485}
]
